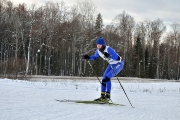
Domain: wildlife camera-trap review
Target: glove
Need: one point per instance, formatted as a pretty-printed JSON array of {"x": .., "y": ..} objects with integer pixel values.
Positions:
[
  {"x": 106, "y": 54},
  {"x": 85, "y": 57},
  {"x": 107, "y": 59}
]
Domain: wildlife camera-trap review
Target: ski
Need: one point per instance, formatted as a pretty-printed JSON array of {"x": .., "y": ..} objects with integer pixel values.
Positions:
[{"x": 90, "y": 102}]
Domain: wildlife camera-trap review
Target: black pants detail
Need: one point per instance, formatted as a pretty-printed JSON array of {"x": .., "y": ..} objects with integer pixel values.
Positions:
[{"x": 104, "y": 81}]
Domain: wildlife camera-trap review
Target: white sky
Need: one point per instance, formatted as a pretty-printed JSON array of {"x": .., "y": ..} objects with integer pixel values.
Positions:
[{"x": 140, "y": 10}]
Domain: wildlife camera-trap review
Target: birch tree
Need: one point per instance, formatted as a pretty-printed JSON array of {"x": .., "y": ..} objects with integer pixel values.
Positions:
[
  {"x": 157, "y": 30},
  {"x": 124, "y": 24},
  {"x": 176, "y": 32}
]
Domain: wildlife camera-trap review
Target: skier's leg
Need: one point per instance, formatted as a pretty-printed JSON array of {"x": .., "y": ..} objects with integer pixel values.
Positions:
[
  {"x": 103, "y": 85},
  {"x": 116, "y": 69},
  {"x": 106, "y": 91},
  {"x": 113, "y": 72},
  {"x": 104, "y": 80}
]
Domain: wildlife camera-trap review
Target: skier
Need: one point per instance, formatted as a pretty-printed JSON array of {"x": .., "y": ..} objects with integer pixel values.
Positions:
[{"x": 115, "y": 66}]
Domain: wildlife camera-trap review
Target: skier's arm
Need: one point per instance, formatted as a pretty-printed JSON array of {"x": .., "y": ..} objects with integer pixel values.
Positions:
[
  {"x": 112, "y": 54},
  {"x": 95, "y": 56}
]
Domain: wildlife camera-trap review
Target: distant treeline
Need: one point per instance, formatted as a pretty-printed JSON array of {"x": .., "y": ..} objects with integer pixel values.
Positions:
[{"x": 50, "y": 39}]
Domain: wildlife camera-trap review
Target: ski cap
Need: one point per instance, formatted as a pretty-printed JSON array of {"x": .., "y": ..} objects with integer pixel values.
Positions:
[{"x": 101, "y": 41}]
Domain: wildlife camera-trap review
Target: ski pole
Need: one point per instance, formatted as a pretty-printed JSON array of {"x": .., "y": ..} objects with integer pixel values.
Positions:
[
  {"x": 121, "y": 85},
  {"x": 94, "y": 71}
]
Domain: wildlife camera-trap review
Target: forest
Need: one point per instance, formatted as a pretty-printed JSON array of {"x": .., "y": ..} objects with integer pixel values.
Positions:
[{"x": 50, "y": 40}]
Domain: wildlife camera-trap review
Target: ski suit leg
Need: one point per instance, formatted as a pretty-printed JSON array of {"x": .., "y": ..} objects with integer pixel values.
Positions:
[
  {"x": 116, "y": 69},
  {"x": 104, "y": 81},
  {"x": 113, "y": 72}
]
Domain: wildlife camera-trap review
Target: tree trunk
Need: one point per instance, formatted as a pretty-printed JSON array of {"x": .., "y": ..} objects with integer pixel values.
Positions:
[{"x": 29, "y": 51}]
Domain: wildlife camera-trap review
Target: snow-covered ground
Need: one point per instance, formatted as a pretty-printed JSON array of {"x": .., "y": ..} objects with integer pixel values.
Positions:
[{"x": 24, "y": 100}]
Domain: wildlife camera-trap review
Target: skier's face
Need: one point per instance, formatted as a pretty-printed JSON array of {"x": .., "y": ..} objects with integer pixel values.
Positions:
[{"x": 99, "y": 46}]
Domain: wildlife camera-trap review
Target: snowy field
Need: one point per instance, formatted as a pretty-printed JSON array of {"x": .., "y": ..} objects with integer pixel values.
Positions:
[{"x": 24, "y": 100}]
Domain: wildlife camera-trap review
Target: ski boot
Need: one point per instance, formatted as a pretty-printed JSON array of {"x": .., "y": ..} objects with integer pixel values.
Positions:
[
  {"x": 100, "y": 98},
  {"x": 107, "y": 97}
]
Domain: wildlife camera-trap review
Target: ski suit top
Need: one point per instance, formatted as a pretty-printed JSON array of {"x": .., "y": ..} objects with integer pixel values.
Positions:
[{"x": 113, "y": 58}]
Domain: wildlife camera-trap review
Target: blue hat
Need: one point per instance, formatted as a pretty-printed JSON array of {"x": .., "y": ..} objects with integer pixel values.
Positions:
[{"x": 101, "y": 41}]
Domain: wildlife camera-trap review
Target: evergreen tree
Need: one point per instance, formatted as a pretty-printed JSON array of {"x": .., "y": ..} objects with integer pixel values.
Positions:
[
  {"x": 99, "y": 25},
  {"x": 138, "y": 55},
  {"x": 148, "y": 70},
  {"x": 99, "y": 64}
]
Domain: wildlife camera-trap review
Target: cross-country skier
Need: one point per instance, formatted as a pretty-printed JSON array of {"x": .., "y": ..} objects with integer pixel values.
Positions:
[{"x": 115, "y": 62}]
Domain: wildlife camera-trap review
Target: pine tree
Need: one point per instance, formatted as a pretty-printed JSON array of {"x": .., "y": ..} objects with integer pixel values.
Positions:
[
  {"x": 138, "y": 56},
  {"x": 147, "y": 64},
  {"x": 99, "y": 64},
  {"x": 99, "y": 25}
]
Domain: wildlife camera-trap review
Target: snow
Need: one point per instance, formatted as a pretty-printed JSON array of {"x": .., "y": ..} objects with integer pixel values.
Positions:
[{"x": 25, "y": 100}]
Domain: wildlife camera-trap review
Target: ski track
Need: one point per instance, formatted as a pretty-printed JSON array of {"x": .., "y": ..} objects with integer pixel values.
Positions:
[{"x": 23, "y": 100}]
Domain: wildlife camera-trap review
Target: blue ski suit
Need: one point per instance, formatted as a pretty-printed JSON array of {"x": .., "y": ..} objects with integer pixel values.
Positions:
[{"x": 114, "y": 60}]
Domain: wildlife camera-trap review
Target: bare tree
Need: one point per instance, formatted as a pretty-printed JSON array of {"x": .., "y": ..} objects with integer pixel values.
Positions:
[
  {"x": 82, "y": 17},
  {"x": 124, "y": 25},
  {"x": 176, "y": 32},
  {"x": 157, "y": 30}
]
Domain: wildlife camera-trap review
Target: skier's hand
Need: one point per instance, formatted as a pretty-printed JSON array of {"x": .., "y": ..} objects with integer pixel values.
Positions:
[
  {"x": 85, "y": 57},
  {"x": 107, "y": 59}
]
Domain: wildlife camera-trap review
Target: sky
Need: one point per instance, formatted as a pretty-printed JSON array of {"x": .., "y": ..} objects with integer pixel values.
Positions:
[{"x": 166, "y": 10}]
